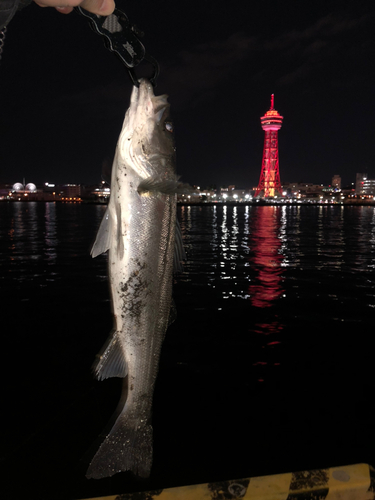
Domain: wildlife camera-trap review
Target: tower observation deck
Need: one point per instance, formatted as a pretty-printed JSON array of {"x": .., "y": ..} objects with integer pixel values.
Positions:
[{"x": 269, "y": 181}]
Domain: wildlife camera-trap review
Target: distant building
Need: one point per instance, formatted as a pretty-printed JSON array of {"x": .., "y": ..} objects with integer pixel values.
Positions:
[
  {"x": 359, "y": 182},
  {"x": 71, "y": 191},
  {"x": 99, "y": 192},
  {"x": 5, "y": 191},
  {"x": 229, "y": 194},
  {"x": 197, "y": 195},
  {"x": 369, "y": 186},
  {"x": 336, "y": 182},
  {"x": 302, "y": 189},
  {"x": 239, "y": 194},
  {"x": 364, "y": 185}
]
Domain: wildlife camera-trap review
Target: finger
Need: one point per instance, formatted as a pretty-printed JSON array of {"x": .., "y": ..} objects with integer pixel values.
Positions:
[
  {"x": 100, "y": 7},
  {"x": 64, "y": 10},
  {"x": 60, "y": 4}
]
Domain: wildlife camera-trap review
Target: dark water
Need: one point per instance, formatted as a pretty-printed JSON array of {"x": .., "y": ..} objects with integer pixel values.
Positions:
[{"x": 267, "y": 369}]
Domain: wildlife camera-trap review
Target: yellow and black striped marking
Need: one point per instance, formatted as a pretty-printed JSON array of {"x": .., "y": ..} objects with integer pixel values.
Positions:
[{"x": 352, "y": 482}]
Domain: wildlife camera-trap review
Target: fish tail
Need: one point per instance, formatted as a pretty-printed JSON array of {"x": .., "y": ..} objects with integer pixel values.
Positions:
[{"x": 128, "y": 447}]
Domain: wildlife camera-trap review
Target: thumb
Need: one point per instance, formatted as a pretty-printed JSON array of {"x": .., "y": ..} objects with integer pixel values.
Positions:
[{"x": 100, "y": 7}]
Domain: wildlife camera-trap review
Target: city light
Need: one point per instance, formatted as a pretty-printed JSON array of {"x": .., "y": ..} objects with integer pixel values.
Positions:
[{"x": 361, "y": 192}]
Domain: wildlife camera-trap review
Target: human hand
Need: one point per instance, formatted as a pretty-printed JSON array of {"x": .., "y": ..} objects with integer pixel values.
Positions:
[{"x": 100, "y": 7}]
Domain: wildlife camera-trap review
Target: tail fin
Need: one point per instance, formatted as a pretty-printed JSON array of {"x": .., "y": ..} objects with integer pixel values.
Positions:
[{"x": 128, "y": 447}]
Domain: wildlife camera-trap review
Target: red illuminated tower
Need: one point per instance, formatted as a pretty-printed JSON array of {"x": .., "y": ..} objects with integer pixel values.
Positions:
[{"x": 269, "y": 182}]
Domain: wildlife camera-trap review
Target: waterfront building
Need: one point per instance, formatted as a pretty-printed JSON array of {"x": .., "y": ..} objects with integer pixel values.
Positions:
[
  {"x": 369, "y": 186},
  {"x": 336, "y": 182},
  {"x": 99, "y": 193},
  {"x": 302, "y": 189},
  {"x": 269, "y": 181},
  {"x": 359, "y": 181},
  {"x": 364, "y": 185},
  {"x": 5, "y": 191},
  {"x": 71, "y": 191}
]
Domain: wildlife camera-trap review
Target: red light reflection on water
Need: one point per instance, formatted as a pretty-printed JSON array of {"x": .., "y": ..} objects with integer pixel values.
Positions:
[
  {"x": 266, "y": 287},
  {"x": 267, "y": 259}
]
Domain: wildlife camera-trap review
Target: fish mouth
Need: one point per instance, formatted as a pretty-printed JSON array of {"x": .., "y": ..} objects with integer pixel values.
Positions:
[{"x": 147, "y": 141}]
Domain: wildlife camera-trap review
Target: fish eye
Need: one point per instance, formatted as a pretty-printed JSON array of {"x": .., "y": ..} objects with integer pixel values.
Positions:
[{"x": 169, "y": 126}]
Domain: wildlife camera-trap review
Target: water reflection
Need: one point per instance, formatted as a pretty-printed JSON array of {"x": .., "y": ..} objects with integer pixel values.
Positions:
[
  {"x": 22, "y": 232},
  {"x": 50, "y": 234},
  {"x": 363, "y": 233},
  {"x": 267, "y": 258},
  {"x": 267, "y": 241},
  {"x": 237, "y": 251},
  {"x": 331, "y": 242},
  {"x": 372, "y": 241},
  {"x": 40, "y": 239}
]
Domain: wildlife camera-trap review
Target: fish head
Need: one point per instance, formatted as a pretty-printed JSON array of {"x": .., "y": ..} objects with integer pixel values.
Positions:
[{"x": 147, "y": 140}]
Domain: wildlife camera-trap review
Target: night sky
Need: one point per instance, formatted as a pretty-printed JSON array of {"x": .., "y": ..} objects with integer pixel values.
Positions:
[{"x": 64, "y": 95}]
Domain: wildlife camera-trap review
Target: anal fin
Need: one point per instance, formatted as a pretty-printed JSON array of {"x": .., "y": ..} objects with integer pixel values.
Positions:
[{"x": 110, "y": 362}]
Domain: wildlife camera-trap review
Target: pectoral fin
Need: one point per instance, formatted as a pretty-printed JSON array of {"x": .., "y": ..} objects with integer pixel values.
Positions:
[
  {"x": 161, "y": 185},
  {"x": 102, "y": 240}
]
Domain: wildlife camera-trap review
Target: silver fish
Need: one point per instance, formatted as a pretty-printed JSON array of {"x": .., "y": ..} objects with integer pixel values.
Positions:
[{"x": 138, "y": 228}]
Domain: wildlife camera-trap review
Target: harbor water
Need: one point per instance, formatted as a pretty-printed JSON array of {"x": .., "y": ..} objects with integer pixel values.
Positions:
[{"x": 267, "y": 369}]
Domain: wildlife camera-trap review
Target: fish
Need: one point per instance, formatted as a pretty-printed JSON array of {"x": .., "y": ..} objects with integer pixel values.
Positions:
[{"x": 139, "y": 231}]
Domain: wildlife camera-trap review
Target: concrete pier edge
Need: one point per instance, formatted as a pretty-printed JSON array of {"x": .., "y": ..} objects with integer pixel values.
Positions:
[{"x": 349, "y": 482}]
